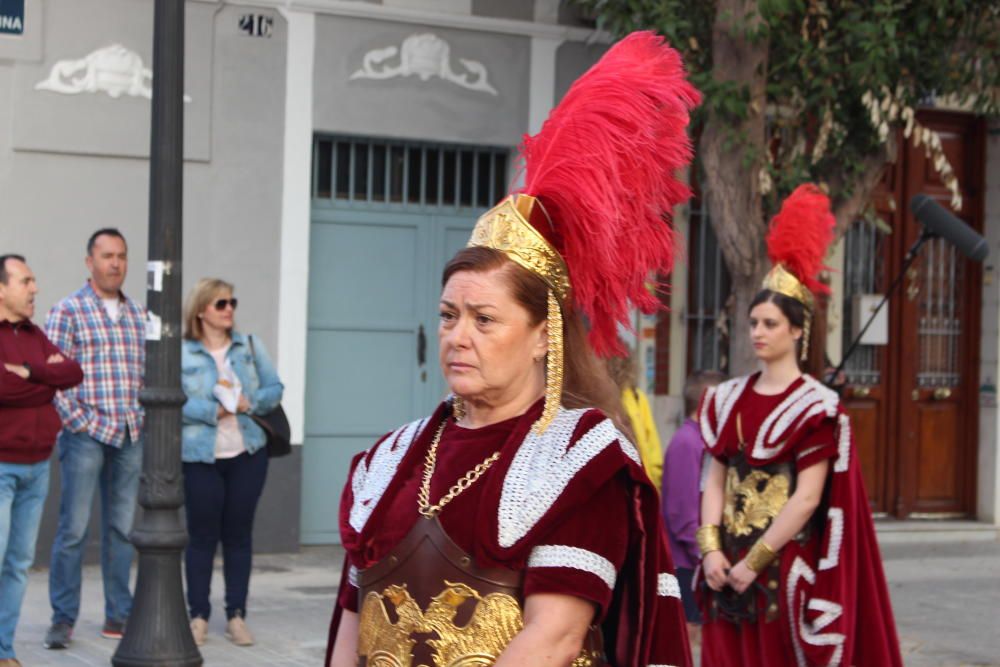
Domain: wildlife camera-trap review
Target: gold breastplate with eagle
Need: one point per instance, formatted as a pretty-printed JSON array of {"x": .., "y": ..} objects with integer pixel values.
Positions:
[
  {"x": 426, "y": 604},
  {"x": 753, "y": 495}
]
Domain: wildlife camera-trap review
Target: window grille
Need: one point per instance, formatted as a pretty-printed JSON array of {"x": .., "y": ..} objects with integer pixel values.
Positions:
[
  {"x": 708, "y": 293},
  {"x": 863, "y": 274},
  {"x": 940, "y": 327},
  {"x": 390, "y": 172}
]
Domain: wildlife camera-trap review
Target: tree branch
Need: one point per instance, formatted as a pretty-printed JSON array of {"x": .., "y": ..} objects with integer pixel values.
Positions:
[{"x": 861, "y": 188}]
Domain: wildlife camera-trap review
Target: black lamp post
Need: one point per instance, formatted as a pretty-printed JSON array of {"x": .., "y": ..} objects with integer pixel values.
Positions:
[{"x": 157, "y": 633}]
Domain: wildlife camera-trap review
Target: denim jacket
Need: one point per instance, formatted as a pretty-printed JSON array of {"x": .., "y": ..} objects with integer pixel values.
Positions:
[{"x": 199, "y": 375}]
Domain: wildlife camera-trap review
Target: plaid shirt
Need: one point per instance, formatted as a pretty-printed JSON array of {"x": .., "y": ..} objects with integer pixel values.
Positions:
[{"x": 113, "y": 357}]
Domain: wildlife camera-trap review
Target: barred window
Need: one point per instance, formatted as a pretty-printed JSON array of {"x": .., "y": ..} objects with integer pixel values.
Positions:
[
  {"x": 708, "y": 294},
  {"x": 375, "y": 171},
  {"x": 863, "y": 249}
]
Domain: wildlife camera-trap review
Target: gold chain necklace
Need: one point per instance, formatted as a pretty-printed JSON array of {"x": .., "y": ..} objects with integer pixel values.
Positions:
[{"x": 423, "y": 497}]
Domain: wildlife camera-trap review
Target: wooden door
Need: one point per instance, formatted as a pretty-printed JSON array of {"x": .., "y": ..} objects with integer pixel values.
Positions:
[
  {"x": 913, "y": 402},
  {"x": 938, "y": 329}
]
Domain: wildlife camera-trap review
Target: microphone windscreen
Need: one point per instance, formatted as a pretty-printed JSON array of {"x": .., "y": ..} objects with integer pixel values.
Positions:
[{"x": 941, "y": 222}]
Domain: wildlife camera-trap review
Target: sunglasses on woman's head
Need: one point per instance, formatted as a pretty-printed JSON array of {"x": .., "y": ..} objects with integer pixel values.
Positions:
[{"x": 222, "y": 303}]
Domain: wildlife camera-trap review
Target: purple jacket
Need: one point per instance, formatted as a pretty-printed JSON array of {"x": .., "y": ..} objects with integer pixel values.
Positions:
[{"x": 681, "y": 498}]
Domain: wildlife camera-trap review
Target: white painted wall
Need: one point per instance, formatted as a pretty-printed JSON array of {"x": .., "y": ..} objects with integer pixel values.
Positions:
[
  {"x": 988, "y": 464},
  {"x": 668, "y": 409},
  {"x": 449, "y": 6},
  {"x": 835, "y": 311},
  {"x": 542, "y": 80},
  {"x": 293, "y": 292}
]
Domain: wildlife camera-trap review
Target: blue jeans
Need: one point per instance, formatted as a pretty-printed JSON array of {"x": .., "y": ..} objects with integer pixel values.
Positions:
[
  {"x": 86, "y": 463},
  {"x": 23, "y": 487}
]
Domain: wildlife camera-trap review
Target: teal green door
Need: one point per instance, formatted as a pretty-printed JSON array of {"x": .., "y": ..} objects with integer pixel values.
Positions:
[{"x": 371, "y": 357}]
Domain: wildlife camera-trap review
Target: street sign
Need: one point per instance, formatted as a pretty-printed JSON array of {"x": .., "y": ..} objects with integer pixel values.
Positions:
[{"x": 11, "y": 17}]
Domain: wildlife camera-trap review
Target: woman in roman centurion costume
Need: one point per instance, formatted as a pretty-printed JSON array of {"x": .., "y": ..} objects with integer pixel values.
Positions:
[
  {"x": 515, "y": 526},
  {"x": 792, "y": 573}
]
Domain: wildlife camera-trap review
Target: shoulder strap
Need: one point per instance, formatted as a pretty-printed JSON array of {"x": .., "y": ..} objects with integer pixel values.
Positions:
[{"x": 253, "y": 356}]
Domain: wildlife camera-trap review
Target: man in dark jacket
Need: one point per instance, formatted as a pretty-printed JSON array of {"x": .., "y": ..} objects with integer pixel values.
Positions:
[{"x": 31, "y": 372}]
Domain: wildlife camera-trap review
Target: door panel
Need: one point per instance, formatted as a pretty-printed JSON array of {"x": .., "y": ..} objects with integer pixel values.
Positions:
[
  {"x": 937, "y": 478},
  {"x": 938, "y": 329},
  {"x": 347, "y": 369},
  {"x": 326, "y": 461},
  {"x": 344, "y": 253},
  {"x": 865, "y": 424},
  {"x": 367, "y": 295}
]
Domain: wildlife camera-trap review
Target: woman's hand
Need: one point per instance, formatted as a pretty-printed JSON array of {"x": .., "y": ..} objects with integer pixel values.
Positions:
[
  {"x": 716, "y": 567},
  {"x": 741, "y": 576},
  {"x": 243, "y": 405},
  {"x": 220, "y": 412}
]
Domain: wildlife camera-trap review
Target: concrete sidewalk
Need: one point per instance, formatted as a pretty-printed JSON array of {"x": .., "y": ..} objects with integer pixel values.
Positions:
[
  {"x": 946, "y": 598},
  {"x": 291, "y": 598}
]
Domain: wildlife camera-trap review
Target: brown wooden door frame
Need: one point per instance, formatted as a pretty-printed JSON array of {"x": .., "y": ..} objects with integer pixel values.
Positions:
[{"x": 884, "y": 413}]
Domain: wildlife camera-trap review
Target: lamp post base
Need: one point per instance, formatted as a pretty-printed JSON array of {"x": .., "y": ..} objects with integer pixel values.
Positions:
[{"x": 157, "y": 633}]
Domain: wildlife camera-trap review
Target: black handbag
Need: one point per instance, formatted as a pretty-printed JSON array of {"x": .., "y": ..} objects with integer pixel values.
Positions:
[{"x": 274, "y": 423}]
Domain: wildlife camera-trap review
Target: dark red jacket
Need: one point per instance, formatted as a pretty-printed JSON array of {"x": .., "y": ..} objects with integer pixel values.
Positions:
[{"x": 29, "y": 422}]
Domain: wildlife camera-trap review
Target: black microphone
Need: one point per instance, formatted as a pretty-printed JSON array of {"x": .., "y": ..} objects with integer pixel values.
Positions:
[{"x": 940, "y": 222}]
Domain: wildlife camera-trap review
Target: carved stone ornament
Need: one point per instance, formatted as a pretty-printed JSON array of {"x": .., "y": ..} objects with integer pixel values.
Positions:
[
  {"x": 424, "y": 56},
  {"x": 114, "y": 70}
]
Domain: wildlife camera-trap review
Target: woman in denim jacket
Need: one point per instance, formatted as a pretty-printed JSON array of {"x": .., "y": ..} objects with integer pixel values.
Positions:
[{"x": 227, "y": 377}]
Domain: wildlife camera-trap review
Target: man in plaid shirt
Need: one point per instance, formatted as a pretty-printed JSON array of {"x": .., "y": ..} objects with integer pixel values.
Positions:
[{"x": 100, "y": 444}]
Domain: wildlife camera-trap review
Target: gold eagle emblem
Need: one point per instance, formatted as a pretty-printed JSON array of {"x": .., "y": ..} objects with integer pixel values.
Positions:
[
  {"x": 495, "y": 620},
  {"x": 384, "y": 643},
  {"x": 753, "y": 502}
]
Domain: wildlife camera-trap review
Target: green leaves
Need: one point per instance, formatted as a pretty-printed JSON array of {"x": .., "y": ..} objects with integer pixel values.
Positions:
[{"x": 823, "y": 56}]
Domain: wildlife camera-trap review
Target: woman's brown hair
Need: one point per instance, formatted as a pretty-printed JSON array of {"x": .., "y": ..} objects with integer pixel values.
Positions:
[
  {"x": 586, "y": 383},
  {"x": 203, "y": 293}
]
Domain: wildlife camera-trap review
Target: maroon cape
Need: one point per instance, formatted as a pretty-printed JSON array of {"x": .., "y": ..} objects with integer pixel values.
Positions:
[
  {"x": 834, "y": 604},
  {"x": 535, "y": 485}
]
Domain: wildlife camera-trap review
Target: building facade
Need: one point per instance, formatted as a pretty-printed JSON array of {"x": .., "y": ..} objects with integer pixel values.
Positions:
[{"x": 337, "y": 152}]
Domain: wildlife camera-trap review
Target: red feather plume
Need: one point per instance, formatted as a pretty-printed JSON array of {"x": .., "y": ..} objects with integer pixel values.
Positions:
[
  {"x": 800, "y": 235},
  {"x": 604, "y": 166}
]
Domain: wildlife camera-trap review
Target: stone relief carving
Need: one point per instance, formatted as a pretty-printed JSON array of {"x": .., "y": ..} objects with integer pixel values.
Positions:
[
  {"x": 425, "y": 56},
  {"x": 114, "y": 70}
]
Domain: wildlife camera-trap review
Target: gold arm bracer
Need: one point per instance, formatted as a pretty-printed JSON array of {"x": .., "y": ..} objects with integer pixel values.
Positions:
[
  {"x": 709, "y": 539},
  {"x": 760, "y": 556}
]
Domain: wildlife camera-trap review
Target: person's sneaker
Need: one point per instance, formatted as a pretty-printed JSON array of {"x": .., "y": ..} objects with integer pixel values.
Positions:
[
  {"x": 58, "y": 636},
  {"x": 199, "y": 630},
  {"x": 10, "y": 662},
  {"x": 113, "y": 629},
  {"x": 238, "y": 633}
]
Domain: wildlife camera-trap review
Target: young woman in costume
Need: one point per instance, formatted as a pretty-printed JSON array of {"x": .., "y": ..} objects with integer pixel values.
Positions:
[
  {"x": 791, "y": 570},
  {"x": 515, "y": 526}
]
